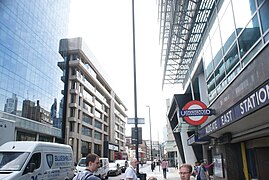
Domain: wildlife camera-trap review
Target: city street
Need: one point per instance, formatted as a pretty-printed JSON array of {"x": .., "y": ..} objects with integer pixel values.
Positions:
[{"x": 172, "y": 173}]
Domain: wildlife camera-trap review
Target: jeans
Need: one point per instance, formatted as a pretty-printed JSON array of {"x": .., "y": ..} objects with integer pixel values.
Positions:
[{"x": 164, "y": 172}]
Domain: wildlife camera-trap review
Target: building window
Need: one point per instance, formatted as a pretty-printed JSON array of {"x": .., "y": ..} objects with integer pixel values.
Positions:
[
  {"x": 105, "y": 118},
  {"x": 98, "y": 114},
  {"x": 22, "y": 136},
  {"x": 264, "y": 13},
  {"x": 87, "y": 119},
  {"x": 71, "y": 126},
  {"x": 86, "y": 148},
  {"x": 86, "y": 131},
  {"x": 87, "y": 107},
  {"x": 73, "y": 85},
  {"x": 249, "y": 36},
  {"x": 97, "y": 135},
  {"x": 98, "y": 124},
  {"x": 105, "y": 128},
  {"x": 72, "y": 112},
  {"x": 105, "y": 138},
  {"x": 73, "y": 98},
  {"x": 97, "y": 149},
  {"x": 79, "y": 111}
]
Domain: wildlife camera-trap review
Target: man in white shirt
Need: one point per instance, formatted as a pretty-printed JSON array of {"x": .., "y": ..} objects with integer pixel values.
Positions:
[{"x": 130, "y": 173}]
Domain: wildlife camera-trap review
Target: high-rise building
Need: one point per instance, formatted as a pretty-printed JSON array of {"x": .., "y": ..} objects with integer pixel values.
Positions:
[
  {"x": 218, "y": 51},
  {"x": 30, "y": 80},
  {"x": 94, "y": 115},
  {"x": 11, "y": 105}
]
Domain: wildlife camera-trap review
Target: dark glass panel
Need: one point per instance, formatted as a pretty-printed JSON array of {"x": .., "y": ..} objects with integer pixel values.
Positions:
[{"x": 264, "y": 14}]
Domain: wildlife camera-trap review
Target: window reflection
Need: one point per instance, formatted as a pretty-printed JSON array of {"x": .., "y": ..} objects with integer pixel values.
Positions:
[
  {"x": 264, "y": 14},
  {"x": 230, "y": 56},
  {"x": 220, "y": 72},
  {"x": 243, "y": 11},
  {"x": 227, "y": 28},
  {"x": 249, "y": 36}
]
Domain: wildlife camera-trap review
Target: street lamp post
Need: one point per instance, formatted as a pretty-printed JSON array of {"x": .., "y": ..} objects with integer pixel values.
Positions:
[
  {"x": 135, "y": 93},
  {"x": 151, "y": 154}
]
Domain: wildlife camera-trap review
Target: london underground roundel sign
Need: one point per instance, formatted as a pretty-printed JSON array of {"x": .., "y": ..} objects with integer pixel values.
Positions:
[{"x": 195, "y": 112}]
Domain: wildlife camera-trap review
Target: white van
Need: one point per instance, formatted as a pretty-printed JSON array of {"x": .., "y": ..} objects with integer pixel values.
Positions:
[
  {"x": 35, "y": 160},
  {"x": 102, "y": 171}
]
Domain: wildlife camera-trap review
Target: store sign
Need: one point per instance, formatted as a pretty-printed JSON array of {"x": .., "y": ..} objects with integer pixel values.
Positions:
[
  {"x": 113, "y": 147},
  {"x": 254, "y": 101},
  {"x": 195, "y": 112}
]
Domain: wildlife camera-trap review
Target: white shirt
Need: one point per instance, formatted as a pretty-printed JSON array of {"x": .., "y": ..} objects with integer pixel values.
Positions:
[{"x": 130, "y": 173}]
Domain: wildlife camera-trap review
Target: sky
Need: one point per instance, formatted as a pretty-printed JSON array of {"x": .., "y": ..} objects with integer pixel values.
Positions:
[{"x": 106, "y": 27}]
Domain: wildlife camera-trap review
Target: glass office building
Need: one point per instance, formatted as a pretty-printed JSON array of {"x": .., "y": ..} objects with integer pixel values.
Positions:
[{"x": 30, "y": 86}]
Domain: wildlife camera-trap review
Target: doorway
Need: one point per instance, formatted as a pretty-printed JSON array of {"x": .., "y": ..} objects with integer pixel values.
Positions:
[{"x": 262, "y": 162}]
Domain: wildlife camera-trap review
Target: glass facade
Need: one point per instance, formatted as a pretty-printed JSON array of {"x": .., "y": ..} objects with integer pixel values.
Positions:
[
  {"x": 30, "y": 31},
  {"x": 238, "y": 30}
]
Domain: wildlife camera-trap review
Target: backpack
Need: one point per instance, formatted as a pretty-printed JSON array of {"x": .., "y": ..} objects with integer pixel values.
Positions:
[{"x": 84, "y": 177}]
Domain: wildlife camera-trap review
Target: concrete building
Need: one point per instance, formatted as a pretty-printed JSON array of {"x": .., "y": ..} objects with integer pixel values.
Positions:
[
  {"x": 218, "y": 51},
  {"x": 94, "y": 116}
]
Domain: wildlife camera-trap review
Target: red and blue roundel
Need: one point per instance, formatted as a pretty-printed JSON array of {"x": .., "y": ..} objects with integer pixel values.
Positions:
[{"x": 195, "y": 112}]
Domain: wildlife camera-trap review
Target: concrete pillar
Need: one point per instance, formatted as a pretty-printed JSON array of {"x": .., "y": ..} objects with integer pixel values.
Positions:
[{"x": 188, "y": 150}]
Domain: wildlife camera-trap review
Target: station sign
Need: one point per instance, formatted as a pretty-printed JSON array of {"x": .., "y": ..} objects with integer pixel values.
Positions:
[
  {"x": 195, "y": 112},
  {"x": 257, "y": 99}
]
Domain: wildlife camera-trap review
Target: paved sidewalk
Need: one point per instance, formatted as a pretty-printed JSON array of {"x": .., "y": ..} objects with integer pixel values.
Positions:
[{"x": 172, "y": 173}]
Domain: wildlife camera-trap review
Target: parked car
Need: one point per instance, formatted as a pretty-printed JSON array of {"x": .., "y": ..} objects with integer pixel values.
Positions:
[
  {"x": 114, "y": 169},
  {"x": 123, "y": 164},
  {"x": 102, "y": 171}
]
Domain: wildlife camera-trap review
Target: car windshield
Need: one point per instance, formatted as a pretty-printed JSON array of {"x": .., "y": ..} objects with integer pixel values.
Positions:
[
  {"x": 82, "y": 163},
  {"x": 12, "y": 161}
]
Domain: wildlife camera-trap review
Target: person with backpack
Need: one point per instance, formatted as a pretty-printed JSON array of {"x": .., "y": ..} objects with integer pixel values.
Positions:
[
  {"x": 92, "y": 165},
  {"x": 202, "y": 173}
]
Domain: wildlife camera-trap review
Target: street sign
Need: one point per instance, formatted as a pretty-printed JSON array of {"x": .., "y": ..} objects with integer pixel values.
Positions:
[
  {"x": 139, "y": 135},
  {"x": 132, "y": 121}
]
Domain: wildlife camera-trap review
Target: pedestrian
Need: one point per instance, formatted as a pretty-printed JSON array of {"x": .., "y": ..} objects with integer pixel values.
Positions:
[
  {"x": 185, "y": 171},
  {"x": 164, "y": 167},
  {"x": 195, "y": 168},
  {"x": 202, "y": 173},
  {"x": 92, "y": 165},
  {"x": 152, "y": 178},
  {"x": 130, "y": 173},
  {"x": 152, "y": 166}
]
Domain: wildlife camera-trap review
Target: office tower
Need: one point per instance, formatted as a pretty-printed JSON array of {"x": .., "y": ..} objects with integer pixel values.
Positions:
[{"x": 30, "y": 31}]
